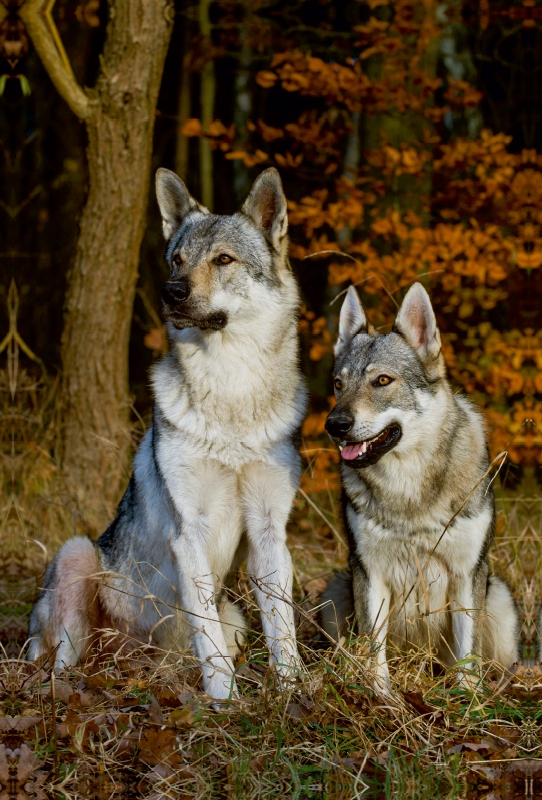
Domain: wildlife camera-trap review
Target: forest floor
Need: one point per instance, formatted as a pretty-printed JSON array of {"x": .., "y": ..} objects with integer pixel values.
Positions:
[{"x": 125, "y": 727}]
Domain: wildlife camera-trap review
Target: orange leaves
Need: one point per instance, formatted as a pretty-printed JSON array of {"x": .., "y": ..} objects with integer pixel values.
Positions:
[
  {"x": 314, "y": 424},
  {"x": 156, "y": 340},
  {"x": 192, "y": 127},
  {"x": 519, "y": 431},
  {"x": 405, "y": 84},
  {"x": 300, "y": 72},
  {"x": 314, "y": 212},
  {"x": 478, "y": 220},
  {"x": 500, "y": 364},
  {"x": 289, "y": 160},
  {"x": 215, "y": 130},
  {"x": 320, "y": 336},
  {"x": 266, "y": 78},
  {"x": 527, "y": 185},
  {"x": 268, "y": 133},
  {"x": 321, "y": 474},
  {"x": 462, "y": 94},
  {"x": 248, "y": 159}
]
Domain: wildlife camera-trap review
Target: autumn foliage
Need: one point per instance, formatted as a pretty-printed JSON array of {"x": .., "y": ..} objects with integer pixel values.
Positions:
[{"x": 419, "y": 203}]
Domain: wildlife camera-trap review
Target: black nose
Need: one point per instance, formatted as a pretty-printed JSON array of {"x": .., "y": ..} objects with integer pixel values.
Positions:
[
  {"x": 338, "y": 424},
  {"x": 174, "y": 292}
]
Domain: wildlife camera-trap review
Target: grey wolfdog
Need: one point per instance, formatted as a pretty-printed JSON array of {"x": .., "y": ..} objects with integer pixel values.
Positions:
[
  {"x": 216, "y": 474},
  {"x": 417, "y": 499}
]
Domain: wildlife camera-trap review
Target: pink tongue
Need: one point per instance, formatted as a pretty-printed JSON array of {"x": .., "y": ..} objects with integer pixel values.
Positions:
[{"x": 351, "y": 451}]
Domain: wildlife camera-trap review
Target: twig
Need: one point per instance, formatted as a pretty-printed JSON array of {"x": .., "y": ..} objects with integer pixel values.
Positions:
[{"x": 53, "y": 714}]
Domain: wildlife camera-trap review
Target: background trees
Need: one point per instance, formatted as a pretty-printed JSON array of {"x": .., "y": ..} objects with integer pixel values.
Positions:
[
  {"x": 400, "y": 153},
  {"x": 119, "y": 118}
]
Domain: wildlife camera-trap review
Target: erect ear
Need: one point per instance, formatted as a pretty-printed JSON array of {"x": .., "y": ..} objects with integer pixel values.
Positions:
[
  {"x": 174, "y": 200},
  {"x": 416, "y": 322},
  {"x": 352, "y": 320},
  {"x": 266, "y": 207}
]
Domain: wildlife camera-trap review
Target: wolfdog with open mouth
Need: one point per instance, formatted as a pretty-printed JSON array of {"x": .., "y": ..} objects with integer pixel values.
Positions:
[
  {"x": 216, "y": 474},
  {"x": 417, "y": 498}
]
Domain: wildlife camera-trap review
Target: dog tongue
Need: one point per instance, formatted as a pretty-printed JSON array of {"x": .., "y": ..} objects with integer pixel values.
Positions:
[{"x": 351, "y": 451}]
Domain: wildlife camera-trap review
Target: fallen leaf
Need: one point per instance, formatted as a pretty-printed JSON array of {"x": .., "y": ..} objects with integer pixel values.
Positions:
[{"x": 181, "y": 717}]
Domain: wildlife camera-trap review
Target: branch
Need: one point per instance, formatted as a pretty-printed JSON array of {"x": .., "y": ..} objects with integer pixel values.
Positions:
[{"x": 36, "y": 15}]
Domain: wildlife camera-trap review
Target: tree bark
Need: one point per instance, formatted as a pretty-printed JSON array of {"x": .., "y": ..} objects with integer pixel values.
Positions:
[{"x": 119, "y": 115}]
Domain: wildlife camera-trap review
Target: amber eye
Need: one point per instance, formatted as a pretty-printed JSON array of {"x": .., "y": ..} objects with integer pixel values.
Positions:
[
  {"x": 224, "y": 259},
  {"x": 383, "y": 380},
  {"x": 338, "y": 383},
  {"x": 177, "y": 260}
]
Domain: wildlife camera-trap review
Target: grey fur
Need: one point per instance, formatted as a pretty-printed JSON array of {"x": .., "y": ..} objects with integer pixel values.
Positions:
[
  {"x": 215, "y": 476},
  {"x": 421, "y": 502}
]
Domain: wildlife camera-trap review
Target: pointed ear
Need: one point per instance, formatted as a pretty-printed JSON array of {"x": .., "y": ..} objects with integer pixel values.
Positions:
[
  {"x": 174, "y": 200},
  {"x": 416, "y": 322},
  {"x": 351, "y": 321},
  {"x": 266, "y": 207}
]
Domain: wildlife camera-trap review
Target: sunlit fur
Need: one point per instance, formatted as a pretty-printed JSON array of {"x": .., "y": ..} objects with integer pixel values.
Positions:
[
  {"x": 420, "y": 521},
  {"x": 216, "y": 474}
]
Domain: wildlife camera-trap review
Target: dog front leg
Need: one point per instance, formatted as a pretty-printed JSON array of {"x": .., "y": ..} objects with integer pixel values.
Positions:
[
  {"x": 267, "y": 497},
  {"x": 373, "y": 607},
  {"x": 198, "y": 601},
  {"x": 465, "y": 628}
]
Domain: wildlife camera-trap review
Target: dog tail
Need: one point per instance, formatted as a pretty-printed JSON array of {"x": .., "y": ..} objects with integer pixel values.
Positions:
[
  {"x": 501, "y": 627},
  {"x": 68, "y": 607},
  {"x": 338, "y": 610}
]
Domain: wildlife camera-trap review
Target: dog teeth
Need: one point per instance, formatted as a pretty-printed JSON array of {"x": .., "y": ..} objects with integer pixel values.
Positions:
[
  {"x": 364, "y": 448},
  {"x": 341, "y": 447}
]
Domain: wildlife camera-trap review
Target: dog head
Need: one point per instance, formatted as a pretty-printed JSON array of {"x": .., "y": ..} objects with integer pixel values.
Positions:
[
  {"x": 220, "y": 265},
  {"x": 384, "y": 383}
]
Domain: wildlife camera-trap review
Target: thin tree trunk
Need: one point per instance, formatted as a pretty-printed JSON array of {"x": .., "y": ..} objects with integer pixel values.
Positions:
[
  {"x": 241, "y": 115},
  {"x": 184, "y": 106},
  {"x": 207, "y": 95},
  {"x": 119, "y": 114}
]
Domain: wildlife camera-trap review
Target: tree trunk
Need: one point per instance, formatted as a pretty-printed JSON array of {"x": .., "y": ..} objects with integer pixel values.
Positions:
[
  {"x": 207, "y": 106},
  {"x": 95, "y": 393}
]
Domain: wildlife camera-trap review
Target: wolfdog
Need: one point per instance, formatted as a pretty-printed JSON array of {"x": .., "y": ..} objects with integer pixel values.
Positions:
[
  {"x": 216, "y": 474},
  {"x": 417, "y": 500}
]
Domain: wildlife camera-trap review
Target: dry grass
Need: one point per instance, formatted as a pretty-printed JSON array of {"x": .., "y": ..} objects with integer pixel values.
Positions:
[{"x": 126, "y": 727}]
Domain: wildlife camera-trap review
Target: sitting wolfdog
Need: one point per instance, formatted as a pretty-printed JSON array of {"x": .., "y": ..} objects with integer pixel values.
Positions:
[
  {"x": 216, "y": 474},
  {"x": 417, "y": 498}
]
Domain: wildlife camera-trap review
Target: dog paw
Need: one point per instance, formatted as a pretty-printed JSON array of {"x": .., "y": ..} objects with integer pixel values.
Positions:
[{"x": 222, "y": 689}]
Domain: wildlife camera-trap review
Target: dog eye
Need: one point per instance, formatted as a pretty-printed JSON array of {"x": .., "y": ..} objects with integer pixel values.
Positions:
[
  {"x": 223, "y": 258},
  {"x": 177, "y": 260},
  {"x": 338, "y": 383},
  {"x": 383, "y": 380}
]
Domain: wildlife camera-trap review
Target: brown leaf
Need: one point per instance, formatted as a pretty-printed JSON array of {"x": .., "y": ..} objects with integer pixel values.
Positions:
[
  {"x": 181, "y": 717},
  {"x": 18, "y": 724},
  {"x": 415, "y": 699},
  {"x": 159, "y": 747},
  {"x": 266, "y": 79},
  {"x": 258, "y": 763},
  {"x": 297, "y": 711},
  {"x": 4, "y": 765},
  {"x": 27, "y": 763},
  {"x": 192, "y": 127},
  {"x": 70, "y": 724},
  {"x": 155, "y": 339},
  {"x": 155, "y": 712}
]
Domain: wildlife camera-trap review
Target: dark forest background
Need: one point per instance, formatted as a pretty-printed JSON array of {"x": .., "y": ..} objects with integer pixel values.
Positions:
[
  {"x": 43, "y": 165},
  {"x": 424, "y": 115}
]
